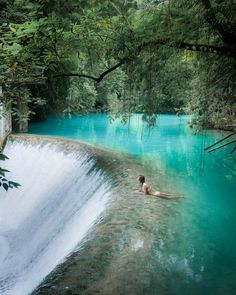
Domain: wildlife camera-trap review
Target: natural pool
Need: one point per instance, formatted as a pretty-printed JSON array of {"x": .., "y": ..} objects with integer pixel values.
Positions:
[{"x": 190, "y": 247}]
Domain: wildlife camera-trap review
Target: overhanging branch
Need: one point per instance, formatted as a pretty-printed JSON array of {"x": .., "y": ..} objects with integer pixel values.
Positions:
[
  {"x": 156, "y": 43},
  {"x": 229, "y": 38},
  {"x": 97, "y": 79},
  {"x": 31, "y": 81},
  {"x": 188, "y": 46},
  {"x": 74, "y": 75}
]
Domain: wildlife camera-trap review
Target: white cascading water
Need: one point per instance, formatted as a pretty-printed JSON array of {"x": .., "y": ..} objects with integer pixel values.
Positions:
[{"x": 60, "y": 198}]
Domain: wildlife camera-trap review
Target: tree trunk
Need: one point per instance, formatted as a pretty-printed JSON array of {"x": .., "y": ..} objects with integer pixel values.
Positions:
[
  {"x": 5, "y": 120},
  {"x": 20, "y": 125}
]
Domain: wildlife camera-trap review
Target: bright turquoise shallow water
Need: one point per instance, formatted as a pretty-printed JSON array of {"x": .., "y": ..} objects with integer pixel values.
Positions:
[{"x": 197, "y": 247}]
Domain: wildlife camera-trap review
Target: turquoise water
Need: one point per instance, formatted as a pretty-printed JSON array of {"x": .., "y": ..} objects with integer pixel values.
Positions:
[{"x": 194, "y": 249}]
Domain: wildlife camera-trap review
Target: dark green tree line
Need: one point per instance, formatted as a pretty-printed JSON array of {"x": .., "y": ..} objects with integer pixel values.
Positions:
[{"x": 119, "y": 56}]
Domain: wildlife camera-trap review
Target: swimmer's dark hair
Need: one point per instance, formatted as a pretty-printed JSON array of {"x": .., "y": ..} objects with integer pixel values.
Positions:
[{"x": 141, "y": 179}]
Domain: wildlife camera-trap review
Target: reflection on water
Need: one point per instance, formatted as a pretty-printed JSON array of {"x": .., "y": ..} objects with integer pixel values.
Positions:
[{"x": 165, "y": 247}]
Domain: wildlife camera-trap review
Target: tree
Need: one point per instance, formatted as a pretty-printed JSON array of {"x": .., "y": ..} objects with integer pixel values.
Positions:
[
  {"x": 155, "y": 50},
  {"x": 163, "y": 49}
]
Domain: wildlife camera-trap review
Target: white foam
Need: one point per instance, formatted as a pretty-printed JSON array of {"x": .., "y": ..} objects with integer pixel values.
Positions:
[{"x": 46, "y": 218}]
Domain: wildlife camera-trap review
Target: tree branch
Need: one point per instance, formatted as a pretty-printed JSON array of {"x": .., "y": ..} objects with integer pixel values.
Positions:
[
  {"x": 229, "y": 38},
  {"x": 97, "y": 79},
  {"x": 120, "y": 63},
  {"x": 32, "y": 81},
  {"x": 157, "y": 43},
  {"x": 74, "y": 75},
  {"x": 193, "y": 47}
]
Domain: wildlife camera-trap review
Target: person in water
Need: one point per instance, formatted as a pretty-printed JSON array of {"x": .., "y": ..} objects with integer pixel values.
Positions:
[{"x": 147, "y": 190}]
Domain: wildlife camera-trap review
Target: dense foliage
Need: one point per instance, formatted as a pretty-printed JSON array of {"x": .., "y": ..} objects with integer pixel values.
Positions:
[{"x": 120, "y": 56}]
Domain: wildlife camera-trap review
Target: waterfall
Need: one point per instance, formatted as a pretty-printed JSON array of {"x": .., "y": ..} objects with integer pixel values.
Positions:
[{"x": 60, "y": 198}]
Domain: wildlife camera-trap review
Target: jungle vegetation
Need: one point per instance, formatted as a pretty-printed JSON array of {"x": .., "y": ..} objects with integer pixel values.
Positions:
[{"x": 120, "y": 57}]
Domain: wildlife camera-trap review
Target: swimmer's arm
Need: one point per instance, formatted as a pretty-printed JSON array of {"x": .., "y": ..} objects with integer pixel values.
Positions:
[{"x": 137, "y": 191}]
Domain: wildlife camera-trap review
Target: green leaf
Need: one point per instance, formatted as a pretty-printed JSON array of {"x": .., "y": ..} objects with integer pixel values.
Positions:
[
  {"x": 3, "y": 157},
  {"x": 14, "y": 184},
  {"x": 5, "y": 186}
]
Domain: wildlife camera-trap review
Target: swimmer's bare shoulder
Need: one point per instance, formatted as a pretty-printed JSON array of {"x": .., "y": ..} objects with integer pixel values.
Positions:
[{"x": 146, "y": 189}]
